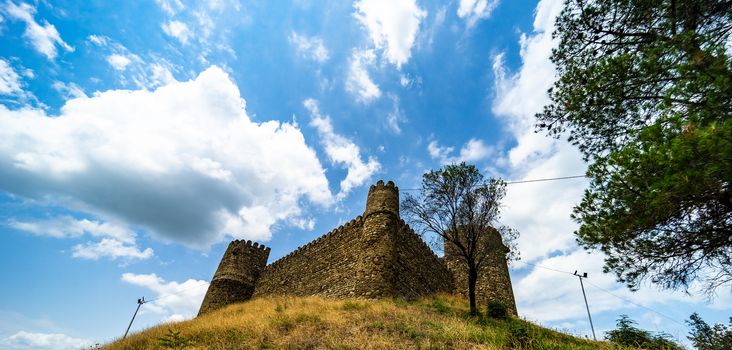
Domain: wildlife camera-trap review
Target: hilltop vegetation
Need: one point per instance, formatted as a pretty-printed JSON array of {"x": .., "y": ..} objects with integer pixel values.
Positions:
[{"x": 315, "y": 323}]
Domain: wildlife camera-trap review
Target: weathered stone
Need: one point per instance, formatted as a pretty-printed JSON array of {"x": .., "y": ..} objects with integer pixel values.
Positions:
[{"x": 374, "y": 255}]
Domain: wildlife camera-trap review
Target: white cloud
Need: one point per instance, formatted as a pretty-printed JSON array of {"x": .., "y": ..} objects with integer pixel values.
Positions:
[
  {"x": 392, "y": 26},
  {"x": 359, "y": 82},
  {"x": 540, "y": 211},
  {"x": 171, "y": 7},
  {"x": 41, "y": 341},
  {"x": 44, "y": 38},
  {"x": 110, "y": 248},
  {"x": 309, "y": 47},
  {"x": 178, "y": 30},
  {"x": 472, "y": 151},
  {"x": 173, "y": 301},
  {"x": 10, "y": 82},
  {"x": 184, "y": 162},
  {"x": 474, "y": 10},
  {"x": 404, "y": 80},
  {"x": 116, "y": 241},
  {"x": 99, "y": 40},
  {"x": 147, "y": 73},
  {"x": 161, "y": 75},
  {"x": 395, "y": 116},
  {"x": 118, "y": 62},
  {"x": 69, "y": 227},
  {"x": 68, "y": 90},
  {"x": 341, "y": 150}
]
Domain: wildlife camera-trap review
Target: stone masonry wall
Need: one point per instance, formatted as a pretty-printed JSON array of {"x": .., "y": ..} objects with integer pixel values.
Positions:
[
  {"x": 377, "y": 255},
  {"x": 327, "y": 266},
  {"x": 419, "y": 271},
  {"x": 494, "y": 281},
  {"x": 236, "y": 275}
]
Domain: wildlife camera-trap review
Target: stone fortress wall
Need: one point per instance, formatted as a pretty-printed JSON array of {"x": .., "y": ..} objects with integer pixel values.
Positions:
[
  {"x": 494, "y": 282},
  {"x": 373, "y": 256}
]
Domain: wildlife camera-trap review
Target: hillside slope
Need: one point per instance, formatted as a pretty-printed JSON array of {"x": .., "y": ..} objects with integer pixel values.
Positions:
[{"x": 315, "y": 323}]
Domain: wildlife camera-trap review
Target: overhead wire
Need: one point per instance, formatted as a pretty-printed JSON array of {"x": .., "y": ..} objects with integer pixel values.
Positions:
[
  {"x": 608, "y": 292},
  {"x": 520, "y": 181}
]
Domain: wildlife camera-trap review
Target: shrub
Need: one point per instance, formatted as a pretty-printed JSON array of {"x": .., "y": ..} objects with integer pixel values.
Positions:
[
  {"x": 173, "y": 340},
  {"x": 497, "y": 309},
  {"x": 520, "y": 336},
  {"x": 628, "y": 335}
]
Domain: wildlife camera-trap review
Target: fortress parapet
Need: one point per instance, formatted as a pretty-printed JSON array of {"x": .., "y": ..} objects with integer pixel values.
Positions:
[
  {"x": 236, "y": 275},
  {"x": 382, "y": 198}
]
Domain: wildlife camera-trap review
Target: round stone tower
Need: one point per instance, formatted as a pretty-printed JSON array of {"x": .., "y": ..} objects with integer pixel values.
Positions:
[
  {"x": 380, "y": 222},
  {"x": 236, "y": 275},
  {"x": 382, "y": 199},
  {"x": 494, "y": 281}
]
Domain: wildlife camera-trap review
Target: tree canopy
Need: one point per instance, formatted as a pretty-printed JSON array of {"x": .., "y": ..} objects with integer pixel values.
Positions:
[
  {"x": 627, "y": 334},
  {"x": 706, "y": 337},
  {"x": 644, "y": 90},
  {"x": 458, "y": 205}
]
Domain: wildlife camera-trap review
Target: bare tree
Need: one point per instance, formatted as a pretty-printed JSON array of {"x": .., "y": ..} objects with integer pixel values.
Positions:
[{"x": 460, "y": 207}]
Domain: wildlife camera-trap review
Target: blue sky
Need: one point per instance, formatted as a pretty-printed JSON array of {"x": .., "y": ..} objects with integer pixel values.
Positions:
[{"x": 138, "y": 138}]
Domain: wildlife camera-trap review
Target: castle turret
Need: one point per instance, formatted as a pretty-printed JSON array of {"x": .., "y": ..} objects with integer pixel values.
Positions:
[
  {"x": 494, "y": 282},
  {"x": 380, "y": 222},
  {"x": 236, "y": 275}
]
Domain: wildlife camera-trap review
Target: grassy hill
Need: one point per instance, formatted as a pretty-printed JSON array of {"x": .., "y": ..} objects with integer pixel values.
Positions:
[{"x": 315, "y": 323}]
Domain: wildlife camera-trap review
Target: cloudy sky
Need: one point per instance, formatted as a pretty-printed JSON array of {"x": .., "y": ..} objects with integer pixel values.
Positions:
[{"x": 138, "y": 138}]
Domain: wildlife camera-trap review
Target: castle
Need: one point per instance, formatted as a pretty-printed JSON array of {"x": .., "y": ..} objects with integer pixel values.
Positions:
[{"x": 376, "y": 255}]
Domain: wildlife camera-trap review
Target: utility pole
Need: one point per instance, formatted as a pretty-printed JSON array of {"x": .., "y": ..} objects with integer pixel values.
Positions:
[
  {"x": 139, "y": 303},
  {"x": 584, "y": 275}
]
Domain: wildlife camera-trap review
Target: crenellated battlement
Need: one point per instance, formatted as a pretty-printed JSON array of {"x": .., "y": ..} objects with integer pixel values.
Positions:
[
  {"x": 374, "y": 255},
  {"x": 382, "y": 199},
  {"x": 242, "y": 244}
]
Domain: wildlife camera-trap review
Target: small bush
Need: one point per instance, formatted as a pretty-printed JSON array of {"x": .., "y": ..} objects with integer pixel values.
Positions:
[
  {"x": 497, "y": 309},
  {"x": 628, "y": 335},
  {"x": 279, "y": 308},
  {"x": 520, "y": 336},
  {"x": 173, "y": 340}
]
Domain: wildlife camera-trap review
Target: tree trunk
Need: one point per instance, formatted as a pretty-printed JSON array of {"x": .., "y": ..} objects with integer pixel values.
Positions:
[{"x": 472, "y": 278}]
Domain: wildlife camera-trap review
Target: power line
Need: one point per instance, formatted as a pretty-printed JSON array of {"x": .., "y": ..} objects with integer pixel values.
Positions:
[
  {"x": 636, "y": 304},
  {"x": 520, "y": 181},
  {"x": 609, "y": 292},
  {"x": 546, "y": 179},
  {"x": 547, "y": 268}
]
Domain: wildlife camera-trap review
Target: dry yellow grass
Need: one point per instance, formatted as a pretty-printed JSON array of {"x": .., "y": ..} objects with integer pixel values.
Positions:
[{"x": 439, "y": 322}]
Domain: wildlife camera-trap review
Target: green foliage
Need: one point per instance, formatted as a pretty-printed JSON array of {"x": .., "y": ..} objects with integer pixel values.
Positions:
[
  {"x": 173, "y": 340},
  {"x": 520, "y": 336},
  {"x": 705, "y": 337},
  {"x": 440, "y": 306},
  {"x": 497, "y": 309},
  {"x": 628, "y": 335},
  {"x": 462, "y": 208},
  {"x": 645, "y": 92}
]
